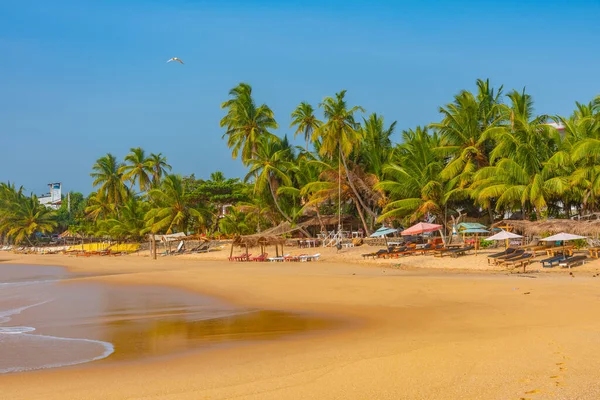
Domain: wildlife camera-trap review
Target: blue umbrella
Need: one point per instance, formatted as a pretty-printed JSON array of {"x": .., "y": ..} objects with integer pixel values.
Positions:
[{"x": 383, "y": 231}]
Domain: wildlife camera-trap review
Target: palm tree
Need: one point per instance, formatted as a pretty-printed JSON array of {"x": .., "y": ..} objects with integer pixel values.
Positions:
[
  {"x": 171, "y": 211},
  {"x": 304, "y": 119},
  {"x": 467, "y": 126},
  {"x": 415, "y": 185},
  {"x": 376, "y": 148},
  {"x": 137, "y": 169},
  {"x": 339, "y": 136},
  {"x": 25, "y": 217},
  {"x": 246, "y": 124},
  {"x": 106, "y": 175},
  {"x": 158, "y": 164},
  {"x": 520, "y": 175},
  {"x": 271, "y": 167},
  {"x": 130, "y": 224}
]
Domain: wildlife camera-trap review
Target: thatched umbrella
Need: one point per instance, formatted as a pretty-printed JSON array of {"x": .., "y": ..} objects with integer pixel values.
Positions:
[{"x": 248, "y": 241}]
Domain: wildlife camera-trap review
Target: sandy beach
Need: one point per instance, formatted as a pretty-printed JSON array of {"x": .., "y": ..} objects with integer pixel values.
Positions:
[{"x": 408, "y": 331}]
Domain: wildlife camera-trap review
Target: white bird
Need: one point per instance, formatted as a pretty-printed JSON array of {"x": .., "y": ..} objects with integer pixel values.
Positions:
[{"x": 175, "y": 59}]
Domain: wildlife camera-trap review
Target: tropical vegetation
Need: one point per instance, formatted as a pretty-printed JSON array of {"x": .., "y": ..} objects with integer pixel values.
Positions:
[{"x": 489, "y": 155}]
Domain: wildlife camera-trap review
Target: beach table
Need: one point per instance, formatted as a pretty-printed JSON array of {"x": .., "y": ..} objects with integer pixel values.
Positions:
[{"x": 552, "y": 251}]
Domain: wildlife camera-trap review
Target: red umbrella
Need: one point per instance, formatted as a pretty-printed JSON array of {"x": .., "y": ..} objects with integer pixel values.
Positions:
[{"x": 420, "y": 228}]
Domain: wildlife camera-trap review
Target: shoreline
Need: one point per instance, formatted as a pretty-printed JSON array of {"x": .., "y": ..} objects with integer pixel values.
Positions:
[{"x": 414, "y": 334}]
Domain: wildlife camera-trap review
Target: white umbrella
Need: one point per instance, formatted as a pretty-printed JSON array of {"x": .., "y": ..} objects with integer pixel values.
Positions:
[
  {"x": 562, "y": 237},
  {"x": 504, "y": 235}
]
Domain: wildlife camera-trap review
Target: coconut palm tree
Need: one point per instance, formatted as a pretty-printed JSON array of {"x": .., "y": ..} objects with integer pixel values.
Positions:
[
  {"x": 520, "y": 175},
  {"x": 339, "y": 136},
  {"x": 376, "y": 148},
  {"x": 246, "y": 123},
  {"x": 467, "y": 125},
  {"x": 303, "y": 118},
  {"x": 106, "y": 175},
  {"x": 158, "y": 164},
  {"x": 130, "y": 224},
  {"x": 137, "y": 169},
  {"x": 270, "y": 167},
  {"x": 170, "y": 210},
  {"x": 25, "y": 217},
  {"x": 415, "y": 187}
]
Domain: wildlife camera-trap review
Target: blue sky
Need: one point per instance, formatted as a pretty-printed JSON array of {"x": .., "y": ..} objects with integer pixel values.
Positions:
[{"x": 83, "y": 78}]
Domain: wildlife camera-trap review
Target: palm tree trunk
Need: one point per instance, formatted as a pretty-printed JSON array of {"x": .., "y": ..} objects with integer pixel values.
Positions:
[
  {"x": 367, "y": 209},
  {"x": 287, "y": 218},
  {"x": 362, "y": 217}
]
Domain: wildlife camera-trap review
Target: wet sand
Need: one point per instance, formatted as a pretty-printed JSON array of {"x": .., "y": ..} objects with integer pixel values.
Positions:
[{"x": 419, "y": 334}]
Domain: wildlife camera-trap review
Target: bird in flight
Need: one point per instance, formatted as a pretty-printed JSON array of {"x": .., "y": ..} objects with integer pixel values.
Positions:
[{"x": 175, "y": 59}]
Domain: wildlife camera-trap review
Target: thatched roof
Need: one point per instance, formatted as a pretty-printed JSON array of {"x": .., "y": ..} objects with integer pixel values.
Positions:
[
  {"x": 551, "y": 226},
  {"x": 258, "y": 240}
]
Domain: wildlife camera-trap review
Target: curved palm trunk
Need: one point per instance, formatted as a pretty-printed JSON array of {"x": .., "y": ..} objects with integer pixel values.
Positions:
[
  {"x": 287, "y": 218},
  {"x": 362, "y": 217},
  {"x": 367, "y": 209}
]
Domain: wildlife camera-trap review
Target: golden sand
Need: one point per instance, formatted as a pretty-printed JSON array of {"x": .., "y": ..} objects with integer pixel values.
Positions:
[{"x": 412, "y": 333}]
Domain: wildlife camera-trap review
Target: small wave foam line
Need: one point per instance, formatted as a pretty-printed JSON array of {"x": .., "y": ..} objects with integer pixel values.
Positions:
[
  {"x": 26, "y": 283},
  {"x": 15, "y": 330},
  {"x": 108, "y": 350},
  {"x": 5, "y": 315}
]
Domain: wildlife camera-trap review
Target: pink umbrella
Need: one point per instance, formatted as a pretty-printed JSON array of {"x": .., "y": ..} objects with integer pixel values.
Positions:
[{"x": 420, "y": 228}]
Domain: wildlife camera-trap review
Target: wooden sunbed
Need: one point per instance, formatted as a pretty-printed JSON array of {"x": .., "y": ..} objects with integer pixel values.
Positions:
[
  {"x": 460, "y": 251},
  {"x": 517, "y": 258},
  {"x": 522, "y": 261},
  {"x": 506, "y": 252},
  {"x": 507, "y": 257},
  {"x": 549, "y": 262},
  {"x": 573, "y": 261}
]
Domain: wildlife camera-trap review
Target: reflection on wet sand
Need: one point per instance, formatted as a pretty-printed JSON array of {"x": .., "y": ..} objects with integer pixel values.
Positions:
[{"x": 142, "y": 337}]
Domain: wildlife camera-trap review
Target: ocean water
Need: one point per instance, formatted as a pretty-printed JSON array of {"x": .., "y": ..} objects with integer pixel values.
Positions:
[{"x": 51, "y": 318}]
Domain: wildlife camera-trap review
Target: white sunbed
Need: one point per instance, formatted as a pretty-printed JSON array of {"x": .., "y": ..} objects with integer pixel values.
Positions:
[
  {"x": 280, "y": 259},
  {"x": 314, "y": 257}
]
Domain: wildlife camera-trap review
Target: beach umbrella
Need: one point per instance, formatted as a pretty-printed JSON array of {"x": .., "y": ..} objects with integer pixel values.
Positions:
[
  {"x": 504, "y": 235},
  {"x": 423, "y": 227},
  {"x": 563, "y": 237},
  {"x": 384, "y": 231},
  {"x": 420, "y": 228}
]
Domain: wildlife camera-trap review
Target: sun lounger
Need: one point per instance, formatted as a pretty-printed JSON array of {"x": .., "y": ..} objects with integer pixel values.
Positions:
[
  {"x": 506, "y": 252},
  {"x": 397, "y": 252},
  {"x": 521, "y": 261},
  {"x": 314, "y": 257},
  {"x": 507, "y": 257},
  {"x": 517, "y": 258},
  {"x": 573, "y": 261},
  {"x": 460, "y": 251},
  {"x": 262, "y": 257},
  {"x": 376, "y": 254},
  {"x": 278, "y": 259},
  {"x": 549, "y": 262}
]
